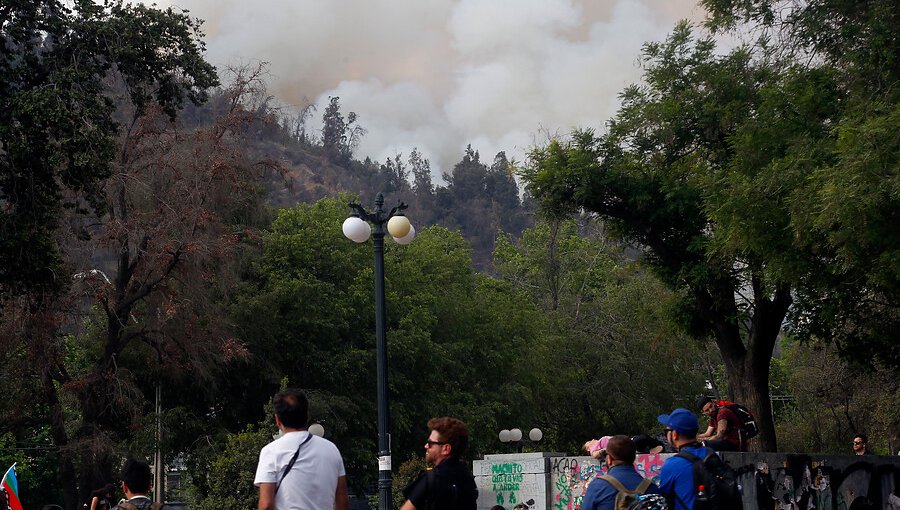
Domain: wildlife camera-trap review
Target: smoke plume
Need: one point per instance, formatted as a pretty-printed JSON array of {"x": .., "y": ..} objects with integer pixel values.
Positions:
[{"x": 440, "y": 74}]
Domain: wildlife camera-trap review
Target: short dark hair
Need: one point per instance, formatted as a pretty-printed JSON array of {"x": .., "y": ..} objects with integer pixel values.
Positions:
[
  {"x": 702, "y": 401},
  {"x": 107, "y": 490},
  {"x": 453, "y": 431},
  {"x": 292, "y": 408},
  {"x": 136, "y": 475},
  {"x": 865, "y": 438},
  {"x": 621, "y": 448}
]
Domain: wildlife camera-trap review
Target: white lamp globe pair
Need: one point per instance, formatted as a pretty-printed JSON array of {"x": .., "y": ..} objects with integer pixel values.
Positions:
[
  {"x": 358, "y": 230},
  {"x": 515, "y": 435}
]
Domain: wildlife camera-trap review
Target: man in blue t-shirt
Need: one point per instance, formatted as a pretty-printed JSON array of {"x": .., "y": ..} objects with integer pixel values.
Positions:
[
  {"x": 676, "y": 478},
  {"x": 620, "y": 454}
]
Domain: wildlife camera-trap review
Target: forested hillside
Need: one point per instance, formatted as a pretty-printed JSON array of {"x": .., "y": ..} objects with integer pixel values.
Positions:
[{"x": 480, "y": 198}]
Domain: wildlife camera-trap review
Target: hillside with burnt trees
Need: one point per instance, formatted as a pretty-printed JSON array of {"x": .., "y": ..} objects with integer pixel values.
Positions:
[{"x": 479, "y": 197}]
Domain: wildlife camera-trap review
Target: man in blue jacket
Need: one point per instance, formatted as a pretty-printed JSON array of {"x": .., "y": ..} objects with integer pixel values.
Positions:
[
  {"x": 601, "y": 492},
  {"x": 676, "y": 478}
]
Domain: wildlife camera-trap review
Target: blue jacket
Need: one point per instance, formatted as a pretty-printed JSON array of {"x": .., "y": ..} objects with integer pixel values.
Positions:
[
  {"x": 600, "y": 495},
  {"x": 676, "y": 478}
]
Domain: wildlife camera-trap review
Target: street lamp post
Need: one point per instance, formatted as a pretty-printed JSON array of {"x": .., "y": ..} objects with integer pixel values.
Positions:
[{"x": 357, "y": 228}]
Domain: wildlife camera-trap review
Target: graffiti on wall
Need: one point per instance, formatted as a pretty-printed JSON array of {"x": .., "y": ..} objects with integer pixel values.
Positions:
[
  {"x": 571, "y": 475},
  {"x": 800, "y": 482},
  {"x": 769, "y": 481},
  {"x": 511, "y": 482}
]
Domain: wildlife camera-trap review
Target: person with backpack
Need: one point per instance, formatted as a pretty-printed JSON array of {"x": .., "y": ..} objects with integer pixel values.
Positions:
[
  {"x": 449, "y": 485},
  {"x": 136, "y": 484},
  {"x": 724, "y": 431},
  {"x": 696, "y": 478},
  {"x": 616, "y": 490}
]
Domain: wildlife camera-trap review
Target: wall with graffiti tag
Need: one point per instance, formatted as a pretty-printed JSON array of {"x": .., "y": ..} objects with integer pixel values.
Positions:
[{"x": 770, "y": 481}]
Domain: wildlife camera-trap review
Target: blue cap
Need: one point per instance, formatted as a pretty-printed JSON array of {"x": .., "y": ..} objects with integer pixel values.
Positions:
[{"x": 680, "y": 420}]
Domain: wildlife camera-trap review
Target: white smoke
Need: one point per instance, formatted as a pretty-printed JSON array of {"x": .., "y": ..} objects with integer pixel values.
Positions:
[{"x": 440, "y": 74}]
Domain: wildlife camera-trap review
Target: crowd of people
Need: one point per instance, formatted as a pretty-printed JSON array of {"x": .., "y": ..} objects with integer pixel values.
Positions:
[{"x": 301, "y": 471}]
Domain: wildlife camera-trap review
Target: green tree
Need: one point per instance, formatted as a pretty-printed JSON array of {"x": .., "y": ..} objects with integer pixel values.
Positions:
[
  {"x": 65, "y": 65},
  {"x": 231, "y": 473},
  {"x": 458, "y": 343},
  {"x": 834, "y": 400},
  {"x": 57, "y": 127},
  {"x": 609, "y": 322},
  {"x": 851, "y": 184},
  {"x": 665, "y": 174},
  {"x": 339, "y": 135}
]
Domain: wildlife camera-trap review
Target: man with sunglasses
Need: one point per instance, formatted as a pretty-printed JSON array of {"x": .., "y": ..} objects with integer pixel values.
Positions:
[
  {"x": 449, "y": 485},
  {"x": 860, "y": 444},
  {"x": 676, "y": 478}
]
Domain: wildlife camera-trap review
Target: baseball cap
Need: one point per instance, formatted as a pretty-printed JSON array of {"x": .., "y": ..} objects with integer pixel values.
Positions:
[{"x": 680, "y": 420}]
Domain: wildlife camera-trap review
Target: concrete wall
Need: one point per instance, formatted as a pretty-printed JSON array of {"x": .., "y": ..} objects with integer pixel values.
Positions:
[{"x": 553, "y": 481}]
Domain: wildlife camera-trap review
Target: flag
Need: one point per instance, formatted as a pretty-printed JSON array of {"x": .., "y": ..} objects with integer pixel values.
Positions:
[{"x": 11, "y": 486}]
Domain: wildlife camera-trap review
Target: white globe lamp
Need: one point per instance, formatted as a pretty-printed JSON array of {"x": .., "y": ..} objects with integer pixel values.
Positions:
[
  {"x": 408, "y": 238},
  {"x": 356, "y": 230},
  {"x": 398, "y": 226}
]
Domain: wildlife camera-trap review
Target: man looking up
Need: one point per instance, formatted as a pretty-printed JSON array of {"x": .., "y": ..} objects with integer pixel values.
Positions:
[
  {"x": 724, "y": 431},
  {"x": 449, "y": 485},
  {"x": 601, "y": 492},
  {"x": 135, "y": 485},
  {"x": 299, "y": 471},
  {"x": 676, "y": 478}
]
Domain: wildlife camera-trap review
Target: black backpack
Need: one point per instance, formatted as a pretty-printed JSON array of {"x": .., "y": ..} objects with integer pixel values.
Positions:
[
  {"x": 715, "y": 483},
  {"x": 749, "y": 429}
]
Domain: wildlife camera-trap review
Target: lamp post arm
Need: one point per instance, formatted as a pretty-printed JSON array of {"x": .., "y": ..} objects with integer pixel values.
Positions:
[
  {"x": 395, "y": 210},
  {"x": 361, "y": 212}
]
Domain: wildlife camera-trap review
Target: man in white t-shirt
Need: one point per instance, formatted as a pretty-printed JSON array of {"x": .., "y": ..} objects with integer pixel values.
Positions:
[{"x": 299, "y": 471}]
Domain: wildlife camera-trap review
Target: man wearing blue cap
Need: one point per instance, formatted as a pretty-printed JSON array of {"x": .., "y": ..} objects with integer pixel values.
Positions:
[{"x": 676, "y": 478}]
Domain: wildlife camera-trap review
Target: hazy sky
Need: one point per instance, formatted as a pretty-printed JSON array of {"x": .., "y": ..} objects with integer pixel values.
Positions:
[{"x": 438, "y": 74}]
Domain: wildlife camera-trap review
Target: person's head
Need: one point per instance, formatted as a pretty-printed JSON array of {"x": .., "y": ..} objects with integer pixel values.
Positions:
[
  {"x": 706, "y": 405},
  {"x": 681, "y": 427},
  {"x": 135, "y": 477},
  {"x": 291, "y": 408},
  {"x": 449, "y": 437},
  {"x": 620, "y": 449},
  {"x": 860, "y": 444},
  {"x": 105, "y": 492}
]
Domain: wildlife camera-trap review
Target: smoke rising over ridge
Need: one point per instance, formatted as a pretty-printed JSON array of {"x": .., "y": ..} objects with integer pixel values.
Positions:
[{"x": 438, "y": 74}]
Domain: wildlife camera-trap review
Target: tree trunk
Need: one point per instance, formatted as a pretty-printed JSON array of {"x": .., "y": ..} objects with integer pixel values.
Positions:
[
  {"x": 747, "y": 356},
  {"x": 66, "y": 475},
  {"x": 749, "y": 385}
]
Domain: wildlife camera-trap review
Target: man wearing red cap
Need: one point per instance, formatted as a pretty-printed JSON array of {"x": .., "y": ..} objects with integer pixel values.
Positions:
[{"x": 676, "y": 478}]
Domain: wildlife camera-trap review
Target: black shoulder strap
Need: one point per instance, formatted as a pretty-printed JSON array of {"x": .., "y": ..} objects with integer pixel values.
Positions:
[
  {"x": 291, "y": 463},
  {"x": 694, "y": 460},
  {"x": 689, "y": 456}
]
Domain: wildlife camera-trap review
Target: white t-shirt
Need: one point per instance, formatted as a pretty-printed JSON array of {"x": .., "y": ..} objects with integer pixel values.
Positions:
[{"x": 312, "y": 482}]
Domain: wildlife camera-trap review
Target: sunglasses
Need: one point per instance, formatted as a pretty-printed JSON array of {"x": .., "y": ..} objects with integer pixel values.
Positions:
[
  {"x": 857, "y": 442},
  {"x": 431, "y": 443}
]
